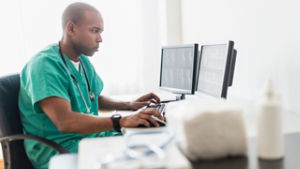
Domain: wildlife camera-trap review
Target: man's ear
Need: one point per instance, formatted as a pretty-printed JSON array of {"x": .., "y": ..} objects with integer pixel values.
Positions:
[{"x": 70, "y": 27}]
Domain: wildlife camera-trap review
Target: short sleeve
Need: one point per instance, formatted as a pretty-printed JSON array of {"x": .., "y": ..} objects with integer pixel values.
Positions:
[{"x": 47, "y": 78}]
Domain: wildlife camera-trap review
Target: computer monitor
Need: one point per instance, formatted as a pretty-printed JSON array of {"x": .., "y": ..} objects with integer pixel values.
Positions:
[
  {"x": 178, "y": 69},
  {"x": 215, "y": 69}
]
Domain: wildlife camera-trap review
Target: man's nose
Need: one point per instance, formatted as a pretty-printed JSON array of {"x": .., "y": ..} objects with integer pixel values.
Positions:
[{"x": 99, "y": 38}]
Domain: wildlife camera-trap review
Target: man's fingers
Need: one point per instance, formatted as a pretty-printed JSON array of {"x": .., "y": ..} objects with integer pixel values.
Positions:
[
  {"x": 149, "y": 96},
  {"x": 154, "y": 101},
  {"x": 144, "y": 116},
  {"x": 153, "y": 121},
  {"x": 144, "y": 122},
  {"x": 156, "y": 98},
  {"x": 149, "y": 118},
  {"x": 152, "y": 111},
  {"x": 159, "y": 116}
]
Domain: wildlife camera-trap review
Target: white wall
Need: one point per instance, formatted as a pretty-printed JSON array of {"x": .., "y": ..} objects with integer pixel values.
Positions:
[
  {"x": 128, "y": 59},
  {"x": 150, "y": 38},
  {"x": 173, "y": 22},
  {"x": 266, "y": 35}
]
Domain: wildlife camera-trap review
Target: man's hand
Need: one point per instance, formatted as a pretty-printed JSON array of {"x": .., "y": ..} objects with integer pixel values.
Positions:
[
  {"x": 143, "y": 117},
  {"x": 144, "y": 101}
]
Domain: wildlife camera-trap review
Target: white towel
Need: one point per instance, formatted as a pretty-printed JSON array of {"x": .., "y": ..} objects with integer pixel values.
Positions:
[{"x": 208, "y": 129}]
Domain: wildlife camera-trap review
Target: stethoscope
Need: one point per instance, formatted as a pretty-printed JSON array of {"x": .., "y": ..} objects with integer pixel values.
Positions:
[
  {"x": 91, "y": 94},
  {"x": 132, "y": 152}
]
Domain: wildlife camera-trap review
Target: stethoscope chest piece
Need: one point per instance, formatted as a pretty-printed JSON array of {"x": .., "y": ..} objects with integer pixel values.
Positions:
[{"x": 92, "y": 96}]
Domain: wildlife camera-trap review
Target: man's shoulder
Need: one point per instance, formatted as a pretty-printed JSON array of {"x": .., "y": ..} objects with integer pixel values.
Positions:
[
  {"x": 49, "y": 52},
  {"x": 48, "y": 59},
  {"x": 46, "y": 55}
]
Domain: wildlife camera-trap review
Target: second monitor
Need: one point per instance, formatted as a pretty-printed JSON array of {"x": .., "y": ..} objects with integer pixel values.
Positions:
[
  {"x": 215, "y": 72},
  {"x": 178, "y": 69}
]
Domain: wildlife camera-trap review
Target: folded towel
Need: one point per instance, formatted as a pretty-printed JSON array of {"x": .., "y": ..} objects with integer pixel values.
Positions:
[{"x": 208, "y": 129}]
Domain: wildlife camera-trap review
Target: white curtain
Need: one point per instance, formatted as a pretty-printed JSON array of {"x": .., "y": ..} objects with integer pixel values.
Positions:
[{"x": 128, "y": 54}]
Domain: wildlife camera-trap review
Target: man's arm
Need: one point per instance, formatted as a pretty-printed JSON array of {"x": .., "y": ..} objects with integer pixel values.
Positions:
[
  {"x": 67, "y": 121},
  {"x": 60, "y": 113},
  {"x": 109, "y": 104}
]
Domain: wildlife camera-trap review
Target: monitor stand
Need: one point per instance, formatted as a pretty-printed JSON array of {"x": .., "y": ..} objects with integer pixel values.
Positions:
[{"x": 180, "y": 97}]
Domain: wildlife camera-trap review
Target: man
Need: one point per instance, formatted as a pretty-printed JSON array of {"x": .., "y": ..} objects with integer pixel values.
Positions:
[{"x": 60, "y": 91}]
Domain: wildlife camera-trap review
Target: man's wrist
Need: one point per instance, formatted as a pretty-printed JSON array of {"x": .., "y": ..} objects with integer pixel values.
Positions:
[
  {"x": 128, "y": 105},
  {"x": 116, "y": 118},
  {"x": 122, "y": 122}
]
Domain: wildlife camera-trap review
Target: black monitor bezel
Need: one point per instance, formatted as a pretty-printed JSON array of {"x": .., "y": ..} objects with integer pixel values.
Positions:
[
  {"x": 227, "y": 69},
  {"x": 232, "y": 67},
  {"x": 176, "y": 90}
]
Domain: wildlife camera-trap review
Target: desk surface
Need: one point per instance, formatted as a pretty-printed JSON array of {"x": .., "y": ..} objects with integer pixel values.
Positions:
[{"x": 290, "y": 161}]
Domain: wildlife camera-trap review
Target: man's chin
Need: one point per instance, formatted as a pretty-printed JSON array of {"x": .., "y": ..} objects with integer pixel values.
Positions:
[{"x": 89, "y": 54}]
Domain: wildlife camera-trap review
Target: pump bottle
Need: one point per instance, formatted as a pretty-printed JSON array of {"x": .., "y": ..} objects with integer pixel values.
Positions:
[{"x": 270, "y": 144}]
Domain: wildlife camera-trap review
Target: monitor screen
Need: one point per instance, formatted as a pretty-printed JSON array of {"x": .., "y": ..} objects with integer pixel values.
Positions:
[
  {"x": 178, "y": 68},
  {"x": 214, "y": 68}
]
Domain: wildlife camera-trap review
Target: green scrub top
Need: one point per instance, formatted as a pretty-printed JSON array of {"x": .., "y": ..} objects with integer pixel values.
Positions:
[{"x": 46, "y": 75}]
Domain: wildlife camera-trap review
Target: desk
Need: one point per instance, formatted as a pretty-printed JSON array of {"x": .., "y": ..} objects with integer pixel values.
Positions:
[{"x": 290, "y": 161}]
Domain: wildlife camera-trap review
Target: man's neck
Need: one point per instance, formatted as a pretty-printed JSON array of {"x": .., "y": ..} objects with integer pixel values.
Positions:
[{"x": 67, "y": 49}]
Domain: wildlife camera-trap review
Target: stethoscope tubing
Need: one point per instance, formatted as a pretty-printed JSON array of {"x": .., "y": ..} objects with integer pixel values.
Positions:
[
  {"x": 81, "y": 94},
  {"x": 91, "y": 94},
  {"x": 152, "y": 149}
]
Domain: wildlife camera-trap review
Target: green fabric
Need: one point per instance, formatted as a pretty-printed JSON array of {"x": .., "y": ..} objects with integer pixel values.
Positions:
[{"x": 45, "y": 75}]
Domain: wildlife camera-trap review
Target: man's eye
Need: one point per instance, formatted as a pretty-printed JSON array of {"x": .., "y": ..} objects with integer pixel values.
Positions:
[{"x": 95, "y": 30}]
